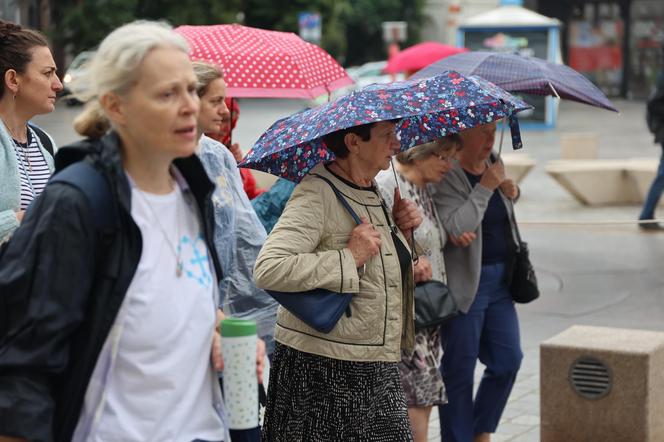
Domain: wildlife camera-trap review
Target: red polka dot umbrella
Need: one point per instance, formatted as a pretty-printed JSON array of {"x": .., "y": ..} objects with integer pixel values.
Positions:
[{"x": 259, "y": 63}]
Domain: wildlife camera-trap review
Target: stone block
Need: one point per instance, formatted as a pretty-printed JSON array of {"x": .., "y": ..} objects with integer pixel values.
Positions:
[
  {"x": 579, "y": 145},
  {"x": 517, "y": 165},
  {"x": 631, "y": 408}
]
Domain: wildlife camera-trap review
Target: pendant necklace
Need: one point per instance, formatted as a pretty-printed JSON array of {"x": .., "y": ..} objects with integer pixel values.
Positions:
[
  {"x": 179, "y": 265},
  {"x": 20, "y": 147}
]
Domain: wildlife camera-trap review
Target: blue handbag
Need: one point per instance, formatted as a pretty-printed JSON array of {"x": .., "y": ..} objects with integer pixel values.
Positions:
[{"x": 320, "y": 308}]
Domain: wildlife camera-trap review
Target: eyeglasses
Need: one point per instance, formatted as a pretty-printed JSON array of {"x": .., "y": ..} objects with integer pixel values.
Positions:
[{"x": 444, "y": 156}]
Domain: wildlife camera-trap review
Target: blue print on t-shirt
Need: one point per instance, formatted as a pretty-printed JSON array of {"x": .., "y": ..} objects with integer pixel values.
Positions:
[{"x": 195, "y": 260}]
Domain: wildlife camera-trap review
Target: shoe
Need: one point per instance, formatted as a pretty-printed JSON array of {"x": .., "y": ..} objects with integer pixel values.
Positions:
[{"x": 651, "y": 227}]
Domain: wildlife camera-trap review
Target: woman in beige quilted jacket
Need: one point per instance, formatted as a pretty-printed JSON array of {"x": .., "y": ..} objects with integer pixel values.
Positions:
[{"x": 342, "y": 385}]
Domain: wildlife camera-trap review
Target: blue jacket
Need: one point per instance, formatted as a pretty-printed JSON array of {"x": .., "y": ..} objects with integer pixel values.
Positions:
[
  {"x": 271, "y": 204},
  {"x": 238, "y": 237},
  {"x": 10, "y": 182}
]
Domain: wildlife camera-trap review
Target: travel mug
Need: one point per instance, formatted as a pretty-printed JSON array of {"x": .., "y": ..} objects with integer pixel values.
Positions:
[{"x": 238, "y": 348}]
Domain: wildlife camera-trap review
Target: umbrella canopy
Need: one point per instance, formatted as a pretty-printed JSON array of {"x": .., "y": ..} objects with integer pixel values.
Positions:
[
  {"x": 528, "y": 75},
  {"x": 259, "y": 63},
  {"x": 420, "y": 55},
  {"x": 427, "y": 109}
]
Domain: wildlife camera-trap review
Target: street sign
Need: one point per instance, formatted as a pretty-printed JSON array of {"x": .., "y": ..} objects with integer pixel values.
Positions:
[
  {"x": 310, "y": 26},
  {"x": 395, "y": 31}
]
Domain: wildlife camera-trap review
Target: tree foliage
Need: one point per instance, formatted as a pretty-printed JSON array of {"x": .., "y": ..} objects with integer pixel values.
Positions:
[
  {"x": 352, "y": 29},
  {"x": 82, "y": 24}
]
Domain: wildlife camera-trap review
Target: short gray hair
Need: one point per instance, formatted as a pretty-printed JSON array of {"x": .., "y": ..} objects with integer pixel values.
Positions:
[
  {"x": 115, "y": 66},
  {"x": 425, "y": 150}
]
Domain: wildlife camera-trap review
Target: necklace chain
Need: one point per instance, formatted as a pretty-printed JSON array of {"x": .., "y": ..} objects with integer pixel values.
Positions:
[
  {"x": 176, "y": 251},
  {"x": 25, "y": 149},
  {"x": 20, "y": 145}
]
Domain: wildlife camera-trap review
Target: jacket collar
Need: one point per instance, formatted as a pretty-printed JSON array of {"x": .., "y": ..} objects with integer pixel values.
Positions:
[{"x": 106, "y": 155}]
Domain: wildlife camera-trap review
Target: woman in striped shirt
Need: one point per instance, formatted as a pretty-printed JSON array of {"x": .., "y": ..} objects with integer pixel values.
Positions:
[{"x": 29, "y": 87}]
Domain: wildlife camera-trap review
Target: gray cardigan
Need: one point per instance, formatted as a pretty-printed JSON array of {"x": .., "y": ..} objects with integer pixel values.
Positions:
[
  {"x": 10, "y": 182},
  {"x": 461, "y": 209}
]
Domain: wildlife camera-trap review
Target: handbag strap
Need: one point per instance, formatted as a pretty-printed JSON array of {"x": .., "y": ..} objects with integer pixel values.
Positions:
[{"x": 341, "y": 199}]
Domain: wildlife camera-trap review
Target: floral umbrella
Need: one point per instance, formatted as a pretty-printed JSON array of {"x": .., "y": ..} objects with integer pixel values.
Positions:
[{"x": 427, "y": 109}]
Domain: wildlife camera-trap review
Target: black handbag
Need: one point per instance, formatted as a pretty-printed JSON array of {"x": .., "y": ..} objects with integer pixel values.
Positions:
[
  {"x": 434, "y": 304},
  {"x": 319, "y": 308},
  {"x": 523, "y": 283}
]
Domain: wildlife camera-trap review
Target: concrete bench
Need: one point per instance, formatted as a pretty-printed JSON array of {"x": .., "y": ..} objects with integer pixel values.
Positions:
[
  {"x": 605, "y": 181},
  {"x": 517, "y": 165},
  {"x": 579, "y": 145}
]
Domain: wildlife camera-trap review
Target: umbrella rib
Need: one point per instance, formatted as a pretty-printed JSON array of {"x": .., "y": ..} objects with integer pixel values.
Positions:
[{"x": 554, "y": 91}]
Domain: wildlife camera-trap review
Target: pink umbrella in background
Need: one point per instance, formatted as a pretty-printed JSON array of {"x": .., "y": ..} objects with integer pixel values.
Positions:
[
  {"x": 420, "y": 55},
  {"x": 258, "y": 63}
]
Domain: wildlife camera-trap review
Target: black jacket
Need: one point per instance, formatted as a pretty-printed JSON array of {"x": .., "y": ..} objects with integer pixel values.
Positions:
[
  {"x": 655, "y": 111},
  {"x": 61, "y": 286}
]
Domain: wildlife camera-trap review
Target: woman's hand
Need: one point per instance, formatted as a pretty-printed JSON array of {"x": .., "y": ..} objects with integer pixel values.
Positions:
[
  {"x": 406, "y": 214},
  {"x": 509, "y": 189},
  {"x": 215, "y": 353},
  {"x": 422, "y": 270},
  {"x": 19, "y": 215},
  {"x": 364, "y": 242},
  {"x": 493, "y": 176},
  {"x": 260, "y": 359},
  {"x": 237, "y": 152},
  {"x": 464, "y": 240}
]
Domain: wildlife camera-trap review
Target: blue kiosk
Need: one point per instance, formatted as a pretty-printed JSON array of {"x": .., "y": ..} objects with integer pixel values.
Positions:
[{"x": 513, "y": 28}]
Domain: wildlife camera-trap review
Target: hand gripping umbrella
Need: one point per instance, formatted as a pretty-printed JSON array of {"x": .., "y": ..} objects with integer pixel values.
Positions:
[{"x": 427, "y": 109}]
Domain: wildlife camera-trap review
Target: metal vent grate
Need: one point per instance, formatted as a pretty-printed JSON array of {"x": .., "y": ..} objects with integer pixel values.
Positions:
[{"x": 590, "y": 378}]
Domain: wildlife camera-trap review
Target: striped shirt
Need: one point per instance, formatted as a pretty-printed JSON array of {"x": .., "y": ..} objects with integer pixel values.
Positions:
[{"x": 32, "y": 169}]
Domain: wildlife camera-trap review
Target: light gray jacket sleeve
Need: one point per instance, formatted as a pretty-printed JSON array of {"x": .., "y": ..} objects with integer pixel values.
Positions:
[
  {"x": 8, "y": 223},
  {"x": 460, "y": 207}
]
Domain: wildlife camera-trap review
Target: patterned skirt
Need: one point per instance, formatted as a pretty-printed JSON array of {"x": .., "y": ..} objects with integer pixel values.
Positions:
[
  {"x": 420, "y": 370},
  {"x": 320, "y": 399}
]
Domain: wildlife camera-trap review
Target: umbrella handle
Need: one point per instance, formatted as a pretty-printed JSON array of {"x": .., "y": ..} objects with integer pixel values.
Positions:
[
  {"x": 230, "y": 126},
  {"x": 415, "y": 256}
]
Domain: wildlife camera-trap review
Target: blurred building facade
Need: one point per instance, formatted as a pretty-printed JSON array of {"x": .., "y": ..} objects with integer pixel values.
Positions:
[
  {"x": 616, "y": 43},
  {"x": 31, "y": 13}
]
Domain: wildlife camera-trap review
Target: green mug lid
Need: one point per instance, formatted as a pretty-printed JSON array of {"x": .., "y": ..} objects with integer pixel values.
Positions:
[{"x": 233, "y": 327}]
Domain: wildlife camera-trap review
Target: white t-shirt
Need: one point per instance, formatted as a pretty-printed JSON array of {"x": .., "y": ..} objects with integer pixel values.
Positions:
[{"x": 162, "y": 386}]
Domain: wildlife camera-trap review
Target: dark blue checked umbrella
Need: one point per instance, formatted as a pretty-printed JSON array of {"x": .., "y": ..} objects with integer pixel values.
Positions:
[
  {"x": 427, "y": 109},
  {"x": 523, "y": 74}
]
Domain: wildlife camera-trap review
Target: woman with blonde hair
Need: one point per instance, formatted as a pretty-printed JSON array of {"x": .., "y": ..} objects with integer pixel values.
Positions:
[
  {"x": 415, "y": 169},
  {"x": 109, "y": 334},
  {"x": 239, "y": 234}
]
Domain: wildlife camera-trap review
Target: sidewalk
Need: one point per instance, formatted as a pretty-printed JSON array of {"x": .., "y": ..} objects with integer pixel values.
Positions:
[{"x": 588, "y": 274}]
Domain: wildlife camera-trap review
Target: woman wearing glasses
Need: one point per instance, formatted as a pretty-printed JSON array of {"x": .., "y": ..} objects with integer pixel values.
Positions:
[{"x": 419, "y": 368}]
